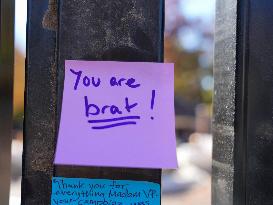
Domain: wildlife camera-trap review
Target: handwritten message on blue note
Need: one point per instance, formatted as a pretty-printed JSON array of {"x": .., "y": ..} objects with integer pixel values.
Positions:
[{"x": 79, "y": 191}]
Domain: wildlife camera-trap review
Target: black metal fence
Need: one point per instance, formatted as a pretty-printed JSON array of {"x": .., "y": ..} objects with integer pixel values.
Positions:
[
  {"x": 70, "y": 29},
  {"x": 243, "y": 117}
]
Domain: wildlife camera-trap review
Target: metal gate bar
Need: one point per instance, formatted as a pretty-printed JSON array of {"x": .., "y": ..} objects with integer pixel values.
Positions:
[
  {"x": 123, "y": 30},
  {"x": 243, "y": 103}
]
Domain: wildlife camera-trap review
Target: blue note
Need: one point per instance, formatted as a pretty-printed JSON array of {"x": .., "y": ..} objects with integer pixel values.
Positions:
[{"x": 79, "y": 191}]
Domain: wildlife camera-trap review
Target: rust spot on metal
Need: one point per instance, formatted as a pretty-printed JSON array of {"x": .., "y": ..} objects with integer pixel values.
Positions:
[{"x": 50, "y": 19}]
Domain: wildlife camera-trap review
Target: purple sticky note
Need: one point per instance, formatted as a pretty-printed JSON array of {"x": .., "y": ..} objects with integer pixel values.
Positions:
[{"x": 117, "y": 114}]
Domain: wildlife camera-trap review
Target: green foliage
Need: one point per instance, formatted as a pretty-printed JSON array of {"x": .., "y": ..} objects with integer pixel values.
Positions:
[{"x": 188, "y": 71}]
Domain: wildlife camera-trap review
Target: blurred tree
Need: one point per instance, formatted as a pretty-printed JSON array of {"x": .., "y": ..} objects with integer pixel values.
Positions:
[
  {"x": 188, "y": 43},
  {"x": 19, "y": 85}
]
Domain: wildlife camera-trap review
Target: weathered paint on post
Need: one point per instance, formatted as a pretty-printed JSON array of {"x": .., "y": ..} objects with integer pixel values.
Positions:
[
  {"x": 135, "y": 33},
  {"x": 123, "y": 30},
  {"x": 243, "y": 103},
  {"x": 40, "y": 105},
  {"x": 224, "y": 102}
]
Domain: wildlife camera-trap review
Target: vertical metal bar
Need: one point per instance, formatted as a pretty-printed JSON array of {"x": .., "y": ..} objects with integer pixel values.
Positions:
[
  {"x": 243, "y": 104},
  {"x": 123, "y": 30},
  {"x": 224, "y": 102},
  {"x": 6, "y": 94},
  {"x": 40, "y": 103},
  {"x": 259, "y": 117},
  {"x": 92, "y": 30}
]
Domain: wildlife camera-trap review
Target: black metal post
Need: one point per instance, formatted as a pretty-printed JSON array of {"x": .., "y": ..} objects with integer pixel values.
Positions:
[
  {"x": 40, "y": 103},
  {"x": 122, "y": 30},
  {"x": 224, "y": 102},
  {"x": 243, "y": 103},
  {"x": 6, "y": 94}
]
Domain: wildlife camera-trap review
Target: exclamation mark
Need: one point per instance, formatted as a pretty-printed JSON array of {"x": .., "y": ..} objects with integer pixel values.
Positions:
[{"x": 153, "y": 101}]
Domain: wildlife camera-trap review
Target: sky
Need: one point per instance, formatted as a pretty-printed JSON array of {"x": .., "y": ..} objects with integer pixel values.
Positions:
[
  {"x": 20, "y": 24},
  {"x": 193, "y": 9},
  {"x": 197, "y": 10}
]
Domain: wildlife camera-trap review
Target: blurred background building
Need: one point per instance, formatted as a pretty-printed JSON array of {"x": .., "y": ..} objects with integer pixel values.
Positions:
[{"x": 189, "y": 27}]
